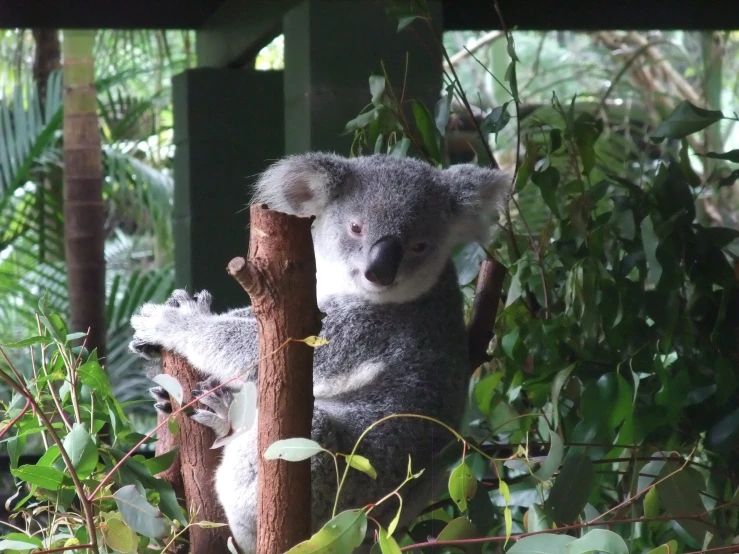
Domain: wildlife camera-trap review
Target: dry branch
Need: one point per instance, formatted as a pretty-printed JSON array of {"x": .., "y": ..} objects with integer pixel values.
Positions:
[
  {"x": 484, "y": 310},
  {"x": 193, "y": 471},
  {"x": 280, "y": 278}
]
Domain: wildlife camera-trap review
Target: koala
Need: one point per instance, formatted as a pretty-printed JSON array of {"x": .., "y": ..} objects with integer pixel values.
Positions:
[{"x": 383, "y": 234}]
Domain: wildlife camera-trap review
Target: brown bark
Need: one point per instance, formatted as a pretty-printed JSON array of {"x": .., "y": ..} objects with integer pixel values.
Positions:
[
  {"x": 83, "y": 191},
  {"x": 47, "y": 58},
  {"x": 192, "y": 473},
  {"x": 280, "y": 277},
  {"x": 484, "y": 310}
]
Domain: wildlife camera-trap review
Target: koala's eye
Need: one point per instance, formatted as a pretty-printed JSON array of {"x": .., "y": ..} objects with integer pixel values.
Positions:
[
  {"x": 355, "y": 228},
  {"x": 419, "y": 247}
]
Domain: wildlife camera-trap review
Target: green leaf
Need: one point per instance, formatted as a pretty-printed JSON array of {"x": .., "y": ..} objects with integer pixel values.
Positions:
[
  {"x": 505, "y": 492},
  {"x": 426, "y": 125},
  {"x": 685, "y": 120},
  {"x": 442, "y": 110},
  {"x": 81, "y": 450},
  {"x": 586, "y": 131},
  {"x": 670, "y": 547},
  {"x": 599, "y": 540},
  {"x": 680, "y": 495},
  {"x": 45, "y": 477},
  {"x": 731, "y": 156},
  {"x": 171, "y": 385},
  {"x": 651, "y": 242},
  {"x": 75, "y": 336},
  {"x": 687, "y": 169},
  {"x": 496, "y": 120},
  {"x": 484, "y": 391},
  {"x": 537, "y": 520},
  {"x": 571, "y": 489},
  {"x": 546, "y": 543},
  {"x": 467, "y": 262},
  {"x": 651, "y": 503},
  {"x": 19, "y": 541},
  {"x": 343, "y": 533},
  {"x": 723, "y": 434},
  {"x": 460, "y": 528},
  {"x": 27, "y": 342},
  {"x": 406, "y": 20},
  {"x": 93, "y": 375},
  {"x": 377, "y": 88},
  {"x": 508, "y": 518},
  {"x": 119, "y": 536},
  {"x": 394, "y": 522},
  {"x": 140, "y": 516},
  {"x": 548, "y": 181},
  {"x": 243, "y": 410},
  {"x": 12, "y": 544},
  {"x": 362, "y": 464},
  {"x": 480, "y": 510},
  {"x": 462, "y": 485},
  {"x": 559, "y": 381},
  {"x": 161, "y": 463},
  {"x": 553, "y": 459},
  {"x": 292, "y": 450},
  {"x": 387, "y": 543}
]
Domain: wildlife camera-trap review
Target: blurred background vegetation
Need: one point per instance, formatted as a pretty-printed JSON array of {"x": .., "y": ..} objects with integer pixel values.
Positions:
[{"x": 634, "y": 79}]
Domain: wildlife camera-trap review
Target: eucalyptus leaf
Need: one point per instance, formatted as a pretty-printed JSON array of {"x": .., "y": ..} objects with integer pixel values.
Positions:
[
  {"x": 571, "y": 489},
  {"x": 140, "y": 516},
  {"x": 171, "y": 385},
  {"x": 598, "y": 540},
  {"x": 292, "y": 450},
  {"x": 545, "y": 543},
  {"x": 462, "y": 485},
  {"x": 82, "y": 450},
  {"x": 343, "y": 533},
  {"x": 685, "y": 120}
]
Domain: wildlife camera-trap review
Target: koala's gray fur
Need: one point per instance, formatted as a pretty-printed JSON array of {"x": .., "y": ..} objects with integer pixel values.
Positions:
[{"x": 400, "y": 348}]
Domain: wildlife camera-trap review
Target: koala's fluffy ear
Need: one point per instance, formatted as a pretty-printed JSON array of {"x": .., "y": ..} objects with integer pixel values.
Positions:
[
  {"x": 477, "y": 193},
  {"x": 301, "y": 185}
]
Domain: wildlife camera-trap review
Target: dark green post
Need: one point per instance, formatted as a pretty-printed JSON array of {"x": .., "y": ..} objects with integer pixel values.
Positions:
[
  {"x": 228, "y": 128},
  {"x": 331, "y": 49}
]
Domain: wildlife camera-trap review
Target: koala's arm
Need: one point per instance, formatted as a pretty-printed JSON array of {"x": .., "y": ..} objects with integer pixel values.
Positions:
[{"x": 217, "y": 345}]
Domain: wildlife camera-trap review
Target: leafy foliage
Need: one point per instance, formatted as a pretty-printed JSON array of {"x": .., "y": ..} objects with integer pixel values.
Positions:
[
  {"x": 94, "y": 488},
  {"x": 615, "y": 343}
]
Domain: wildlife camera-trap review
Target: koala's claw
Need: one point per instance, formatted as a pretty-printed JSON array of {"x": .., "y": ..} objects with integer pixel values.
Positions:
[
  {"x": 158, "y": 393},
  {"x": 163, "y": 407},
  {"x": 163, "y": 404},
  {"x": 217, "y": 404},
  {"x": 145, "y": 349}
]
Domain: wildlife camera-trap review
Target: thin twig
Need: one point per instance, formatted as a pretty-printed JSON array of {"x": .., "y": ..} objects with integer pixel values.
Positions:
[{"x": 21, "y": 389}]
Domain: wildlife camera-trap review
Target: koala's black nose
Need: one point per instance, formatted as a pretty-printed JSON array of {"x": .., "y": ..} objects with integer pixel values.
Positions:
[{"x": 384, "y": 259}]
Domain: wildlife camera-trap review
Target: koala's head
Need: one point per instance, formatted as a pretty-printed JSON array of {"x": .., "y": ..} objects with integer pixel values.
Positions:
[{"x": 385, "y": 226}]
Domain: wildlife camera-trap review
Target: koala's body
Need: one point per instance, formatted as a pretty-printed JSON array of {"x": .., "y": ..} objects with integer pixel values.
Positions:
[{"x": 383, "y": 235}]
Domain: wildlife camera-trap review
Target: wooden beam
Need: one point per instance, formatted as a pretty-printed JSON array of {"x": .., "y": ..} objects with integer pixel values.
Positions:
[
  {"x": 107, "y": 14},
  {"x": 540, "y": 15},
  {"x": 591, "y": 15}
]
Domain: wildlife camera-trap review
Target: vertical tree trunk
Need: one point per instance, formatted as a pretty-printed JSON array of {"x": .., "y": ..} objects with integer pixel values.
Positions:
[
  {"x": 280, "y": 277},
  {"x": 47, "y": 60},
  {"x": 192, "y": 473},
  {"x": 83, "y": 198}
]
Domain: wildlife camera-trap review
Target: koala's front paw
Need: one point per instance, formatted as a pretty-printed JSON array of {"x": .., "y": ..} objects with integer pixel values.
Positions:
[
  {"x": 218, "y": 402},
  {"x": 156, "y": 326},
  {"x": 163, "y": 403}
]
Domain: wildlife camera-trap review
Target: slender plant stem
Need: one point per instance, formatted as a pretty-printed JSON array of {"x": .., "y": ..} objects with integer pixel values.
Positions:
[{"x": 21, "y": 389}]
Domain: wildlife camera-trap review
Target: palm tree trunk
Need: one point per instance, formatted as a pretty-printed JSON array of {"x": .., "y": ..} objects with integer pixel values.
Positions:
[{"x": 83, "y": 197}]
